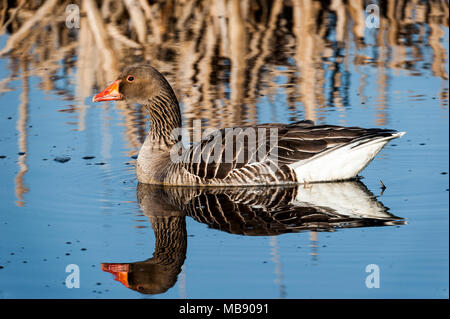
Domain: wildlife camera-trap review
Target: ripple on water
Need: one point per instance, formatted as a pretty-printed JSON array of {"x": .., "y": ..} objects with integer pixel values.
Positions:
[{"x": 87, "y": 188}]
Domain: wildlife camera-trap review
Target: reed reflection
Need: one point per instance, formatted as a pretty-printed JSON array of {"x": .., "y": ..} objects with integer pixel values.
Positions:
[
  {"x": 22, "y": 124},
  {"x": 254, "y": 211},
  {"x": 224, "y": 56}
]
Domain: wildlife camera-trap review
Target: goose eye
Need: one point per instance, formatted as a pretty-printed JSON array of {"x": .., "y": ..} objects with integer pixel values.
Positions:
[{"x": 130, "y": 78}]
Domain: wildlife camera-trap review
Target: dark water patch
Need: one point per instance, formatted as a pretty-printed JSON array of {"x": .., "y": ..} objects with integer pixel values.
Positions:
[{"x": 62, "y": 159}]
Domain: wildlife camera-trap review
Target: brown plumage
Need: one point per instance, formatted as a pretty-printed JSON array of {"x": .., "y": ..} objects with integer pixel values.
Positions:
[{"x": 264, "y": 154}]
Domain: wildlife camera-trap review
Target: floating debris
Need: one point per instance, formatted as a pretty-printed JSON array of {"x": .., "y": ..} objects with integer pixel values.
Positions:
[
  {"x": 62, "y": 159},
  {"x": 88, "y": 157}
]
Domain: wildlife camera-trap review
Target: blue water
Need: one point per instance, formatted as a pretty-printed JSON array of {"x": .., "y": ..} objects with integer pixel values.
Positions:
[{"x": 85, "y": 212}]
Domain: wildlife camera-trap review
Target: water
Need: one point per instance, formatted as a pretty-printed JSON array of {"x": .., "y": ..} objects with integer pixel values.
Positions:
[{"x": 86, "y": 211}]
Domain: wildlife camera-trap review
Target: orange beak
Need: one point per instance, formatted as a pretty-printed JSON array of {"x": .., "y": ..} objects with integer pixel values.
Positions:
[
  {"x": 120, "y": 271},
  {"x": 111, "y": 93}
]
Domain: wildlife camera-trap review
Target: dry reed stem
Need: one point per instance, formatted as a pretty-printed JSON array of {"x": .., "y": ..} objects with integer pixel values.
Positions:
[{"x": 18, "y": 36}]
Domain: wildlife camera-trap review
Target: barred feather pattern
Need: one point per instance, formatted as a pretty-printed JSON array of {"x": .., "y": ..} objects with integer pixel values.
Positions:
[
  {"x": 264, "y": 154},
  {"x": 267, "y": 211},
  {"x": 250, "y": 211}
]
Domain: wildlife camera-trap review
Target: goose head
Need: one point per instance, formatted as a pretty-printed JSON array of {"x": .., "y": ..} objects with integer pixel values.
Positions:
[
  {"x": 137, "y": 84},
  {"x": 143, "y": 84}
]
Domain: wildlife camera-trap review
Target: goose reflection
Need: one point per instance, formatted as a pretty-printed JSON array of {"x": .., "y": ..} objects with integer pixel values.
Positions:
[{"x": 257, "y": 211}]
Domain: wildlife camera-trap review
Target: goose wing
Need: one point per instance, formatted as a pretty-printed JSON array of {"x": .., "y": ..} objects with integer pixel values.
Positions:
[{"x": 225, "y": 151}]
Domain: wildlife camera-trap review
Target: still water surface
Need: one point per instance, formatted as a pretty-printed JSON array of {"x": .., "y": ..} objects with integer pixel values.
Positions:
[{"x": 136, "y": 241}]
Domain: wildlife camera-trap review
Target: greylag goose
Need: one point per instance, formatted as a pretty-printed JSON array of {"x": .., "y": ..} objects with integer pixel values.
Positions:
[
  {"x": 264, "y": 154},
  {"x": 247, "y": 211}
]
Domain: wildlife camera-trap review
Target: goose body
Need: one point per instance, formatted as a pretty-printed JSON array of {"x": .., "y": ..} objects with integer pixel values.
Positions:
[{"x": 265, "y": 154}]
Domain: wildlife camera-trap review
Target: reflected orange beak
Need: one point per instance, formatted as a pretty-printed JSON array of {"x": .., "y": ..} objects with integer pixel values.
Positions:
[
  {"x": 120, "y": 272},
  {"x": 111, "y": 93}
]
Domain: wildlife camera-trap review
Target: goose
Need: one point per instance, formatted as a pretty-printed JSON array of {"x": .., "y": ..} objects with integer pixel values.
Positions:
[{"x": 263, "y": 154}]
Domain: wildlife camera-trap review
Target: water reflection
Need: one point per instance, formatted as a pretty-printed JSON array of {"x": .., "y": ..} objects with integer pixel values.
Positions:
[
  {"x": 21, "y": 127},
  {"x": 255, "y": 211}
]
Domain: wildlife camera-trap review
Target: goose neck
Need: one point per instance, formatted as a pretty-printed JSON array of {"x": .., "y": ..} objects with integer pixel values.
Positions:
[{"x": 165, "y": 119}]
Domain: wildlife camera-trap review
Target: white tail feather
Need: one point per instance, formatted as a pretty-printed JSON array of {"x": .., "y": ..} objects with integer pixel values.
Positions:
[
  {"x": 345, "y": 198},
  {"x": 342, "y": 162}
]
